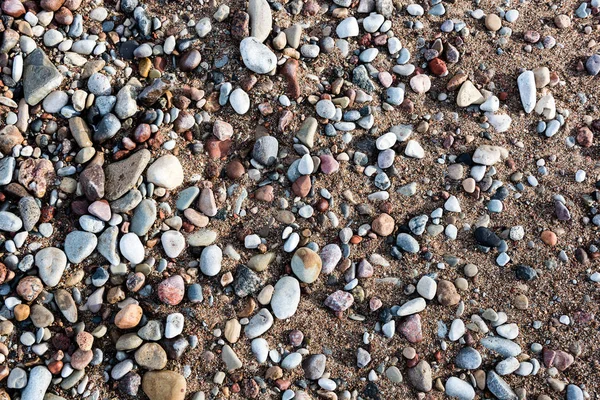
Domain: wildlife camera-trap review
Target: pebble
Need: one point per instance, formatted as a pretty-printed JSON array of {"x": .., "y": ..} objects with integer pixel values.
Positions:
[
  {"x": 256, "y": 56},
  {"x": 286, "y": 297}
]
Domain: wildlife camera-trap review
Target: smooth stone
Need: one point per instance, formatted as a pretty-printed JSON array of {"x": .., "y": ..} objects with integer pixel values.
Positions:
[
  {"x": 173, "y": 243},
  {"x": 40, "y": 77},
  {"x": 499, "y": 387},
  {"x": 51, "y": 263},
  {"x": 286, "y": 297},
  {"x": 460, "y": 389},
  {"x": 261, "y": 19},
  {"x": 504, "y": 347},
  {"x": 468, "y": 358},
  {"x": 210, "y": 260},
  {"x": 38, "y": 382},
  {"x": 166, "y": 172},
  {"x": 143, "y": 218},
  {"x": 259, "y": 324},
  {"x": 122, "y": 176},
  {"x": 527, "y": 90},
  {"x": 256, "y": 56},
  {"x": 79, "y": 245},
  {"x": 347, "y": 28},
  {"x": 132, "y": 248},
  {"x": 306, "y": 265}
]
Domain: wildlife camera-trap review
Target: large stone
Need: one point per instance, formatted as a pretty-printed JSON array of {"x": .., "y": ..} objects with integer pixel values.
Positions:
[
  {"x": 256, "y": 56},
  {"x": 40, "y": 77},
  {"x": 286, "y": 297},
  {"x": 261, "y": 19},
  {"x": 39, "y": 380},
  {"x": 51, "y": 263},
  {"x": 164, "y": 385},
  {"x": 166, "y": 172},
  {"x": 123, "y": 175},
  {"x": 9, "y": 138}
]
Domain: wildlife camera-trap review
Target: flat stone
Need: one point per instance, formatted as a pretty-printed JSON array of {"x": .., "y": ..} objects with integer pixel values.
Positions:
[
  {"x": 259, "y": 324},
  {"x": 121, "y": 176},
  {"x": 79, "y": 245},
  {"x": 527, "y": 90},
  {"x": 40, "y": 77},
  {"x": 164, "y": 385},
  {"x": 38, "y": 382}
]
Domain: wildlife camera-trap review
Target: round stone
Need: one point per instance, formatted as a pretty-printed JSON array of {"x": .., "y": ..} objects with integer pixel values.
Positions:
[{"x": 306, "y": 265}]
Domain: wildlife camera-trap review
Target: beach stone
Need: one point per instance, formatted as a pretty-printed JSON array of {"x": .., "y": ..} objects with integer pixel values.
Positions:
[
  {"x": 239, "y": 100},
  {"x": 256, "y": 56},
  {"x": 557, "y": 358},
  {"x": 265, "y": 150},
  {"x": 230, "y": 358},
  {"x": 420, "y": 84},
  {"x": 314, "y": 366},
  {"x": 210, "y": 260},
  {"x": 407, "y": 243},
  {"x": 286, "y": 297},
  {"x": 261, "y": 19},
  {"x": 172, "y": 290},
  {"x": 166, "y": 172},
  {"x": 592, "y": 64},
  {"x": 40, "y": 77},
  {"x": 10, "y": 136},
  {"x": 468, "y": 358},
  {"x": 129, "y": 316},
  {"x": 411, "y": 328},
  {"x": 419, "y": 376},
  {"x": 339, "y": 301},
  {"x": 485, "y": 237},
  {"x": 9, "y": 222},
  {"x": 51, "y": 263},
  {"x": 259, "y": 324},
  {"x": 164, "y": 385},
  {"x": 412, "y": 307},
  {"x": 173, "y": 243},
  {"x": 447, "y": 294},
  {"x": 347, "y": 28},
  {"x": 66, "y": 305},
  {"x": 504, "y": 347},
  {"x": 427, "y": 287},
  {"x": 122, "y": 176},
  {"x": 459, "y": 389},
  {"x": 246, "y": 282},
  {"x": 40, "y": 316},
  {"x": 79, "y": 245},
  {"x": 37, "y": 384},
  {"x": 29, "y": 288},
  {"x": 331, "y": 255},
  {"x": 527, "y": 90},
  {"x": 7, "y": 169},
  {"x": 306, "y": 265},
  {"x": 499, "y": 387},
  {"x": 151, "y": 356},
  {"x": 132, "y": 248},
  {"x": 468, "y": 94}
]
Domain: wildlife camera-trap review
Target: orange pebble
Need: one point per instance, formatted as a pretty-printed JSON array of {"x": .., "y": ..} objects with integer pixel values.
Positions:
[{"x": 549, "y": 238}]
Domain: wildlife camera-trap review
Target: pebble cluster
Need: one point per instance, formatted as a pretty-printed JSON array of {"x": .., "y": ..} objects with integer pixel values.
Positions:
[{"x": 173, "y": 206}]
